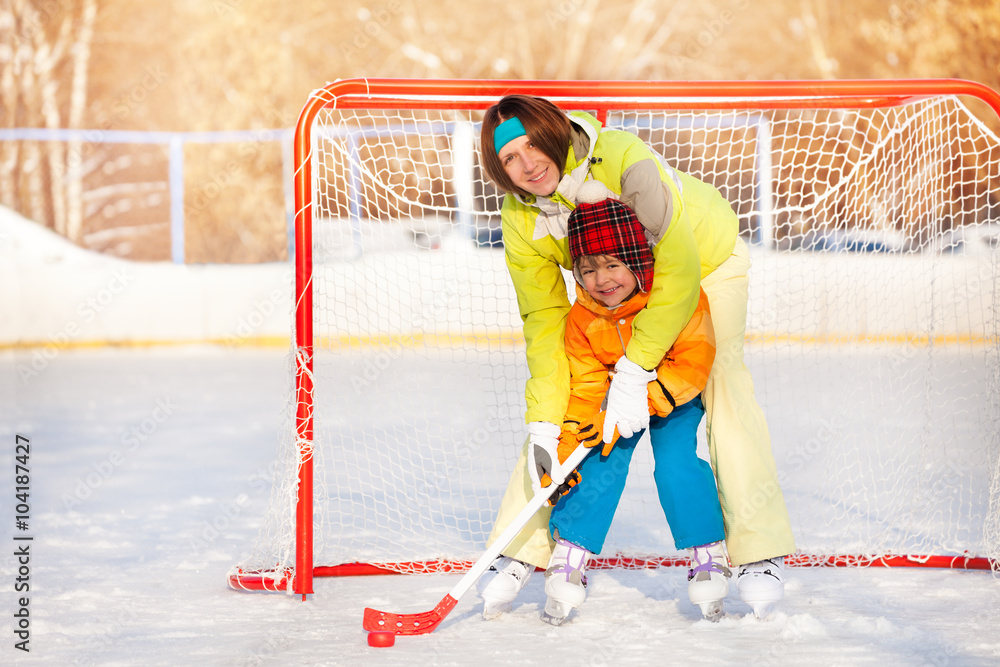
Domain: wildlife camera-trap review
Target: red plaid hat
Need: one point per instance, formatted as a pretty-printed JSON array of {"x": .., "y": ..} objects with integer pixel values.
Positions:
[{"x": 609, "y": 227}]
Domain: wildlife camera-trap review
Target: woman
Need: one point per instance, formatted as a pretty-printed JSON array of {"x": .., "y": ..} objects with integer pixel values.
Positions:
[{"x": 539, "y": 156}]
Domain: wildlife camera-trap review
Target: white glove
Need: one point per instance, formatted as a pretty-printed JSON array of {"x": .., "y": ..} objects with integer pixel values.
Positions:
[
  {"x": 628, "y": 400},
  {"x": 543, "y": 451}
]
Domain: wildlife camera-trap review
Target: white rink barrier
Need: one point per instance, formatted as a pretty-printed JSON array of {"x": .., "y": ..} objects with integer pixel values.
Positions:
[{"x": 57, "y": 294}]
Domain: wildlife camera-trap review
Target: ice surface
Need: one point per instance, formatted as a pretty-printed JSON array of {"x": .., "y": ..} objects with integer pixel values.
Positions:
[{"x": 150, "y": 472}]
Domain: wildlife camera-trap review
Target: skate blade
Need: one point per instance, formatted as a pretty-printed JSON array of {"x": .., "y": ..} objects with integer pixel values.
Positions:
[
  {"x": 494, "y": 610},
  {"x": 553, "y": 620},
  {"x": 712, "y": 611},
  {"x": 555, "y": 612},
  {"x": 762, "y": 609}
]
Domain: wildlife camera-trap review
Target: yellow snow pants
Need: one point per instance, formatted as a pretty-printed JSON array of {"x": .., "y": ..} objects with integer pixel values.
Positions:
[{"x": 753, "y": 506}]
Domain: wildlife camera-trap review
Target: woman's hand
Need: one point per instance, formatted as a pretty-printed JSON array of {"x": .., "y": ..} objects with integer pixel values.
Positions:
[
  {"x": 543, "y": 453},
  {"x": 628, "y": 400}
]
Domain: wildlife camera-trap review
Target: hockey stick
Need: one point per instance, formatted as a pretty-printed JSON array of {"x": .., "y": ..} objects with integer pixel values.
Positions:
[{"x": 424, "y": 622}]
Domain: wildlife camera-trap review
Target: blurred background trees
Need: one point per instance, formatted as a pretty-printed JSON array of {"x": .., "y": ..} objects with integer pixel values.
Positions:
[{"x": 212, "y": 65}]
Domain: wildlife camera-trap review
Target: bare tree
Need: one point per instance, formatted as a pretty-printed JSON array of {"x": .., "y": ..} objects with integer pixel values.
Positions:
[
  {"x": 77, "y": 110},
  {"x": 190, "y": 65},
  {"x": 10, "y": 71},
  {"x": 39, "y": 41}
]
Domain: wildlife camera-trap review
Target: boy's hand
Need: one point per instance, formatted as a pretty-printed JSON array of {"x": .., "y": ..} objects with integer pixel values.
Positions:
[
  {"x": 589, "y": 434},
  {"x": 572, "y": 479},
  {"x": 592, "y": 434},
  {"x": 573, "y": 435},
  {"x": 568, "y": 443},
  {"x": 628, "y": 400}
]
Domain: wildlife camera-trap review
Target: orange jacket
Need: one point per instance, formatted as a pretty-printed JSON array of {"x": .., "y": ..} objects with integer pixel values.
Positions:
[{"x": 596, "y": 338}]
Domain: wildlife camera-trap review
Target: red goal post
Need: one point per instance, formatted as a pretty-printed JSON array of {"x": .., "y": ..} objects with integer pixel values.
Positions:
[{"x": 469, "y": 98}]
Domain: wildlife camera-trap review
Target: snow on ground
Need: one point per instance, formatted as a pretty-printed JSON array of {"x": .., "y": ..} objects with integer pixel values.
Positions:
[
  {"x": 147, "y": 484},
  {"x": 149, "y": 474}
]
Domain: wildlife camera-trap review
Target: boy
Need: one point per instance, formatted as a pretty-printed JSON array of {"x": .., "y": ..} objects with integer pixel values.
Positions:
[{"x": 613, "y": 266}]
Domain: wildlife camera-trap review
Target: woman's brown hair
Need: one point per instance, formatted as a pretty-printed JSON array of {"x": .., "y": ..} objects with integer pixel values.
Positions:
[{"x": 546, "y": 125}]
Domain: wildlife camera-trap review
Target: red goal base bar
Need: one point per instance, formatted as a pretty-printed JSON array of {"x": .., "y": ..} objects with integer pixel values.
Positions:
[{"x": 267, "y": 581}]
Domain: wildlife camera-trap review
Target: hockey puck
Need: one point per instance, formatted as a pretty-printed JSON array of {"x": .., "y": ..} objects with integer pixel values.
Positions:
[{"x": 381, "y": 638}]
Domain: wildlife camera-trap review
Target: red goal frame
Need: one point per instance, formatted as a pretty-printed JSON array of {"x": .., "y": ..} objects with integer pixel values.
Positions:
[{"x": 601, "y": 96}]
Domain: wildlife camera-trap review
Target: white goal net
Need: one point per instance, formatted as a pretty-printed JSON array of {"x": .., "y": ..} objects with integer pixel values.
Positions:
[{"x": 873, "y": 335}]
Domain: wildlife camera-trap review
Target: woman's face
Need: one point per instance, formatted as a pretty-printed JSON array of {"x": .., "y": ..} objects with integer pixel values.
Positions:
[{"x": 529, "y": 168}]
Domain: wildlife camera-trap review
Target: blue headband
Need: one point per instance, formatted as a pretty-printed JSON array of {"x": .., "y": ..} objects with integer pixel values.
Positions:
[{"x": 506, "y": 132}]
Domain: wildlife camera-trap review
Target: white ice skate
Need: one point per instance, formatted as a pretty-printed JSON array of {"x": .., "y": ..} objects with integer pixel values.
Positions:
[
  {"x": 565, "y": 581},
  {"x": 761, "y": 584},
  {"x": 708, "y": 579},
  {"x": 500, "y": 585}
]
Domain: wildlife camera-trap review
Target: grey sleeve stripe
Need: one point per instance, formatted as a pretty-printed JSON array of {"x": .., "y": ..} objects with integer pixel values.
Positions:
[{"x": 649, "y": 197}]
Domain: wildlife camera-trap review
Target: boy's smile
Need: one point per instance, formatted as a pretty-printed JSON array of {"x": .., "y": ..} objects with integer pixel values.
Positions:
[{"x": 606, "y": 279}]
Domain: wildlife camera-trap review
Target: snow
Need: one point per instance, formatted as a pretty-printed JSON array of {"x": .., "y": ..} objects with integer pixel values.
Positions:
[{"x": 150, "y": 471}]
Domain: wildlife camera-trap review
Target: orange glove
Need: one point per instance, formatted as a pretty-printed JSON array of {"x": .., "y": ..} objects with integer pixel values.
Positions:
[
  {"x": 573, "y": 435},
  {"x": 567, "y": 443},
  {"x": 568, "y": 440},
  {"x": 588, "y": 434},
  {"x": 572, "y": 479}
]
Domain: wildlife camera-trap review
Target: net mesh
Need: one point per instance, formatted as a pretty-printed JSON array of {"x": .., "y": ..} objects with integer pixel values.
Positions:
[{"x": 872, "y": 336}]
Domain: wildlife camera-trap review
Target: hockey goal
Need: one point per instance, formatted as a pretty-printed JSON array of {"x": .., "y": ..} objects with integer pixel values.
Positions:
[{"x": 872, "y": 210}]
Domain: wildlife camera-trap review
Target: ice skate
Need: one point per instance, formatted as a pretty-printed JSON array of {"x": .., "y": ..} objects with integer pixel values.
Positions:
[
  {"x": 761, "y": 584},
  {"x": 708, "y": 579},
  {"x": 565, "y": 582},
  {"x": 501, "y": 584}
]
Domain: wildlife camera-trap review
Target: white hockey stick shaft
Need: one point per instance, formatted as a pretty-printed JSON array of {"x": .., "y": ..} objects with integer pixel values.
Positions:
[
  {"x": 424, "y": 622},
  {"x": 520, "y": 521}
]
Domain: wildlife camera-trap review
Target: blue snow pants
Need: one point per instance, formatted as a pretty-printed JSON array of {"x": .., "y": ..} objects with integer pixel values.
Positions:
[{"x": 684, "y": 482}]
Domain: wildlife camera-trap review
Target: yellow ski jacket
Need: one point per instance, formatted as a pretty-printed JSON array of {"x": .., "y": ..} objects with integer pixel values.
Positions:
[{"x": 691, "y": 227}]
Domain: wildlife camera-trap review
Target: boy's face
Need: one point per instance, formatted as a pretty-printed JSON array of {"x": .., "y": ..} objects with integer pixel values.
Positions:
[{"x": 606, "y": 279}]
